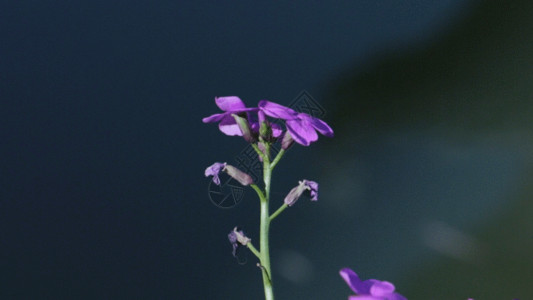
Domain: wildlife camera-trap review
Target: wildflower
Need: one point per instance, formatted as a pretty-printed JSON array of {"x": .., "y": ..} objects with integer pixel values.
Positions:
[
  {"x": 301, "y": 126},
  {"x": 371, "y": 289},
  {"x": 230, "y": 105},
  {"x": 216, "y": 168},
  {"x": 297, "y": 191}
]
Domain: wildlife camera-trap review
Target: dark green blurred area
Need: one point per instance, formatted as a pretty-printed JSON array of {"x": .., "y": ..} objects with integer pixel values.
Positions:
[
  {"x": 473, "y": 89},
  {"x": 478, "y": 77}
]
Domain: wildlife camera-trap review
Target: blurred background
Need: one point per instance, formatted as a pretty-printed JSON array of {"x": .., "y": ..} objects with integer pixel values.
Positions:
[{"x": 427, "y": 183}]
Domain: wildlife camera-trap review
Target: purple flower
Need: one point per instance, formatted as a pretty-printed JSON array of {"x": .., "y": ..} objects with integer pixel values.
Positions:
[
  {"x": 301, "y": 126},
  {"x": 216, "y": 168},
  {"x": 213, "y": 170},
  {"x": 371, "y": 289},
  {"x": 237, "y": 238},
  {"x": 297, "y": 191},
  {"x": 230, "y": 105}
]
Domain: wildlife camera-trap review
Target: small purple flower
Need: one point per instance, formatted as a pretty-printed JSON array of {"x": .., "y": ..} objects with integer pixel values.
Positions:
[
  {"x": 216, "y": 168},
  {"x": 302, "y": 126},
  {"x": 371, "y": 289},
  {"x": 237, "y": 238},
  {"x": 297, "y": 191},
  {"x": 230, "y": 105},
  {"x": 213, "y": 170}
]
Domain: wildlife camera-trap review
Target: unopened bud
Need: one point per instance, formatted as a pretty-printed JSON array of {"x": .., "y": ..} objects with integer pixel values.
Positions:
[
  {"x": 247, "y": 133},
  {"x": 297, "y": 191},
  {"x": 287, "y": 141},
  {"x": 238, "y": 175}
]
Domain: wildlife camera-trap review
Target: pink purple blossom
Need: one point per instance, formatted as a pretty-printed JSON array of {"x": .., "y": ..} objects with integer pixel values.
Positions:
[
  {"x": 371, "y": 289},
  {"x": 302, "y": 127},
  {"x": 230, "y": 105}
]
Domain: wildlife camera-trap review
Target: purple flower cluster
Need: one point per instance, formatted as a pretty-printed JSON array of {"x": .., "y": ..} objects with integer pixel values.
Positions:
[
  {"x": 301, "y": 127},
  {"x": 371, "y": 289}
]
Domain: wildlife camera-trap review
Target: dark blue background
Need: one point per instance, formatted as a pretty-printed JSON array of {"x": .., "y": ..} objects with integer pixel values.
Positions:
[{"x": 102, "y": 193}]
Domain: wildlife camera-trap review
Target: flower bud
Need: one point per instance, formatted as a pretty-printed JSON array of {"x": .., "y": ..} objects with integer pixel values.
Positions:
[
  {"x": 297, "y": 191},
  {"x": 238, "y": 175},
  {"x": 233, "y": 172},
  {"x": 287, "y": 141},
  {"x": 247, "y": 133}
]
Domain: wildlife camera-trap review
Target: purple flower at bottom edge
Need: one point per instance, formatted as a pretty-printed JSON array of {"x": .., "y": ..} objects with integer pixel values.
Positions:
[
  {"x": 230, "y": 105},
  {"x": 302, "y": 126},
  {"x": 371, "y": 289}
]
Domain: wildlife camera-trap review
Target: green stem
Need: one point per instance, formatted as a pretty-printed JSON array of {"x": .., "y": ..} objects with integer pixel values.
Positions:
[
  {"x": 253, "y": 249},
  {"x": 258, "y": 191},
  {"x": 265, "y": 226},
  {"x": 279, "y": 211},
  {"x": 259, "y": 152},
  {"x": 276, "y": 160}
]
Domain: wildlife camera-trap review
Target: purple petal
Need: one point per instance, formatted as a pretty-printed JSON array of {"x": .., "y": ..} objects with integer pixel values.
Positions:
[
  {"x": 261, "y": 116},
  {"x": 353, "y": 281},
  {"x": 382, "y": 288},
  {"x": 321, "y": 126},
  {"x": 232, "y": 237},
  {"x": 230, "y": 103},
  {"x": 255, "y": 127},
  {"x": 301, "y": 131},
  {"x": 313, "y": 186},
  {"x": 228, "y": 126},
  {"x": 277, "y": 111},
  {"x": 214, "y": 170},
  {"x": 277, "y": 131},
  {"x": 396, "y": 296},
  {"x": 214, "y": 118}
]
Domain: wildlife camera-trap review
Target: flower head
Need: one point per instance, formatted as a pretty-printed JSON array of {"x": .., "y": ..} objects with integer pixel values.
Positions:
[
  {"x": 301, "y": 126},
  {"x": 297, "y": 191},
  {"x": 230, "y": 105},
  {"x": 216, "y": 168},
  {"x": 371, "y": 289}
]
